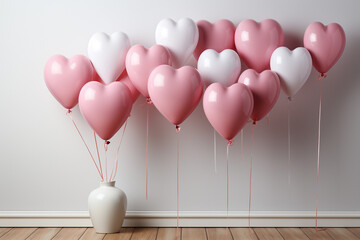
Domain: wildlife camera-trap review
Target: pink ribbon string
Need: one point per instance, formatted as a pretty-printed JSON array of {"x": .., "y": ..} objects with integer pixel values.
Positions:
[
  {"x": 117, "y": 153},
  {"x": 289, "y": 142},
  {"x": 251, "y": 160},
  {"x": 147, "y": 146},
  {"x": 227, "y": 177},
  {"x": 242, "y": 144},
  {"x": 321, "y": 76},
  {"x": 177, "y": 179},
  {"x": 106, "y": 145},
  {"x": 69, "y": 114},
  {"x": 97, "y": 150}
]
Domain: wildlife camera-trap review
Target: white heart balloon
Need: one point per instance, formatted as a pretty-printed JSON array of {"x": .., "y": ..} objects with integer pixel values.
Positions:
[
  {"x": 221, "y": 67},
  {"x": 179, "y": 37},
  {"x": 108, "y": 53},
  {"x": 293, "y": 68}
]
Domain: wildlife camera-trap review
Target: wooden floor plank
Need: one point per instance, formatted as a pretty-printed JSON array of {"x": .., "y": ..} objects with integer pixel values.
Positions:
[
  {"x": 69, "y": 234},
  {"x": 125, "y": 234},
  {"x": 18, "y": 233},
  {"x": 292, "y": 234},
  {"x": 144, "y": 234},
  {"x": 3, "y": 231},
  {"x": 316, "y": 235},
  {"x": 90, "y": 234},
  {"x": 268, "y": 234},
  {"x": 243, "y": 234},
  {"x": 168, "y": 234},
  {"x": 341, "y": 234},
  {"x": 355, "y": 231},
  {"x": 193, "y": 233},
  {"x": 218, "y": 233},
  {"x": 43, "y": 234}
]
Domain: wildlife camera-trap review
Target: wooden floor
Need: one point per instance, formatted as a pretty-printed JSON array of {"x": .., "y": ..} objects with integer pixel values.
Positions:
[{"x": 185, "y": 234}]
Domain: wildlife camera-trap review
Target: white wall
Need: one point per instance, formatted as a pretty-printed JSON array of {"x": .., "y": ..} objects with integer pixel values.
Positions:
[{"x": 44, "y": 165}]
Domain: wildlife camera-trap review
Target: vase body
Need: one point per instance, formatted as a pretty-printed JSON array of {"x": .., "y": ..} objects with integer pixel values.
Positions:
[{"x": 107, "y": 207}]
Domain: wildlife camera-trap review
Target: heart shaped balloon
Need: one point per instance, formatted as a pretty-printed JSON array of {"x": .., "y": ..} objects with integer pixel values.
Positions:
[
  {"x": 123, "y": 78},
  {"x": 108, "y": 53},
  {"x": 175, "y": 92},
  {"x": 255, "y": 42},
  {"x": 65, "y": 78},
  {"x": 228, "y": 108},
  {"x": 140, "y": 62},
  {"x": 221, "y": 67},
  {"x": 293, "y": 68},
  {"x": 325, "y": 44},
  {"x": 265, "y": 88},
  {"x": 105, "y": 107},
  {"x": 218, "y": 36},
  {"x": 179, "y": 37}
]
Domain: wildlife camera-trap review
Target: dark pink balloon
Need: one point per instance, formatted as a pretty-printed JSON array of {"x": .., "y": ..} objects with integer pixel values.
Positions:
[
  {"x": 265, "y": 88},
  {"x": 255, "y": 42},
  {"x": 65, "y": 78},
  {"x": 105, "y": 107},
  {"x": 175, "y": 92},
  {"x": 228, "y": 108},
  {"x": 325, "y": 44},
  {"x": 217, "y": 36}
]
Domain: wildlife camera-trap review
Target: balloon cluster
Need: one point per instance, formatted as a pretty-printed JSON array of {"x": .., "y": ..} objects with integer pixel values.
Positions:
[{"x": 107, "y": 84}]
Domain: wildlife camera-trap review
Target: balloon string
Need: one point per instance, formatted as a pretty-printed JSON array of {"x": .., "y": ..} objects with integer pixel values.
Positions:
[
  {"x": 147, "y": 148},
  {"x": 106, "y": 143},
  {"x": 289, "y": 142},
  {"x": 242, "y": 144},
  {"x": 227, "y": 177},
  {"x": 268, "y": 119},
  {"x": 321, "y": 76},
  {"x": 251, "y": 160},
  {"x": 69, "y": 114},
  {"x": 97, "y": 150},
  {"x": 117, "y": 153},
  {"x": 177, "y": 179},
  {"x": 215, "y": 162}
]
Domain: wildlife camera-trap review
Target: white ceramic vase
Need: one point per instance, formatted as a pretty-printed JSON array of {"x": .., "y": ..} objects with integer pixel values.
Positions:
[{"x": 107, "y": 207}]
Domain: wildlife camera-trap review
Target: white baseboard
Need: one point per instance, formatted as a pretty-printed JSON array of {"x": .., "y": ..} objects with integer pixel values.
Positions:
[{"x": 187, "y": 219}]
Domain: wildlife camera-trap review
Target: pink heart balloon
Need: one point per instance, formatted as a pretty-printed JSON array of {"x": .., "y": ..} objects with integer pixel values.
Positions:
[
  {"x": 255, "y": 42},
  {"x": 175, "y": 92},
  {"x": 105, "y": 107},
  {"x": 217, "y": 36},
  {"x": 265, "y": 88},
  {"x": 325, "y": 44},
  {"x": 123, "y": 78},
  {"x": 65, "y": 77},
  {"x": 140, "y": 62},
  {"x": 228, "y": 108}
]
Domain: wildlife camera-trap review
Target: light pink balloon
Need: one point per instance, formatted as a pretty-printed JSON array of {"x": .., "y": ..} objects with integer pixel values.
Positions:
[
  {"x": 265, "y": 88},
  {"x": 255, "y": 42},
  {"x": 140, "y": 62},
  {"x": 105, "y": 107},
  {"x": 217, "y": 36},
  {"x": 123, "y": 78},
  {"x": 175, "y": 92},
  {"x": 325, "y": 44},
  {"x": 65, "y": 78},
  {"x": 228, "y": 108}
]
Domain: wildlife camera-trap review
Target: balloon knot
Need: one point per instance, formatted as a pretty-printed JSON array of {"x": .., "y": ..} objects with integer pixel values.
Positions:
[
  {"x": 254, "y": 122},
  {"x": 69, "y": 111},
  {"x": 230, "y": 142},
  {"x": 107, "y": 142},
  {"x": 322, "y": 75},
  {"x": 148, "y": 100},
  {"x": 178, "y": 128},
  {"x": 290, "y": 99}
]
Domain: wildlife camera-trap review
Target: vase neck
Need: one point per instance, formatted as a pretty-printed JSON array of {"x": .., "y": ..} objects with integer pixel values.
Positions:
[{"x": 107, "y": 184}]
